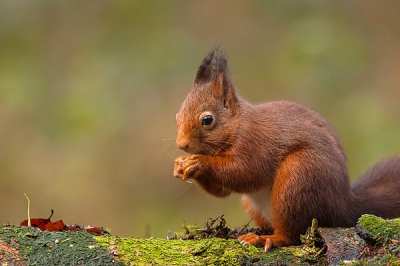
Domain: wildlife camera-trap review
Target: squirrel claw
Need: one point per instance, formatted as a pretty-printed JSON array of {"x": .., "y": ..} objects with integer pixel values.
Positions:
[
  {"x": 251, "y": 239},
  {"x": 189, "y": 180},
  {"x": 268, "y": 244}
]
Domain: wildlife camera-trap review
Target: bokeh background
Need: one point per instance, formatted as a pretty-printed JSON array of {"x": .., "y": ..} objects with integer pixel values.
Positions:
[{"x": 89, "y": 92}]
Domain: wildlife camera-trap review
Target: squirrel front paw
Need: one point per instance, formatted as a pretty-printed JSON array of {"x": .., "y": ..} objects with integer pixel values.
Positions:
[{"x": 187, "y": 167}]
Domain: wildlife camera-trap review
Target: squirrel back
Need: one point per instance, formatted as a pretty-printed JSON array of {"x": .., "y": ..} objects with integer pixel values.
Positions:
[{"x": 284, "y": 158}]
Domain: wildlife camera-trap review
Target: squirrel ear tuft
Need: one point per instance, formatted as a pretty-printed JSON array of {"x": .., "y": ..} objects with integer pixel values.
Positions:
[
  {"x": 214, "y": 70},
  {"x": 213, "y": 65}
]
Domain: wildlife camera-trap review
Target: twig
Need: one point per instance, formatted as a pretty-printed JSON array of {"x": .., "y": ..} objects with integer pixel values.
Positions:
[
  {"x": 365, "y": 250},
  {"x": 29, "y": 216},
  {"x": 320, "y": 251}
]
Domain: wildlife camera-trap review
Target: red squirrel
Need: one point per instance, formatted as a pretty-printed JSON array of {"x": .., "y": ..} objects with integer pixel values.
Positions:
[{"x": 284, "y": 158}]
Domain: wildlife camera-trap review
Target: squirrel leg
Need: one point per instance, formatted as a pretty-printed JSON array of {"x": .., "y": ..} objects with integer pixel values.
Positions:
[
  {"x": 280, "y": 237},
  {"x": 266, "y": 241},
  {"x": 289, "y": 199}
]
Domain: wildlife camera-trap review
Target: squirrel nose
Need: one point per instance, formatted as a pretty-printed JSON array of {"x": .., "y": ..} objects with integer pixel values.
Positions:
[{"x": 182, "y": 144}]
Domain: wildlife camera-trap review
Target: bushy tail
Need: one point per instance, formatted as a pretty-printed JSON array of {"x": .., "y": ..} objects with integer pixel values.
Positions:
[{"x": 377, "y": 191}]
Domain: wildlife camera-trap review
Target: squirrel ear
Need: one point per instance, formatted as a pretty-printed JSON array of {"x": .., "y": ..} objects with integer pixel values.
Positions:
[
  {"x": 222, "y": 88},
  {"x": 213, "y": 65}
]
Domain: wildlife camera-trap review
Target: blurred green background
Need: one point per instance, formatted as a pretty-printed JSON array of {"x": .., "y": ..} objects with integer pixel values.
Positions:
[{"x": 89, "y": 92}]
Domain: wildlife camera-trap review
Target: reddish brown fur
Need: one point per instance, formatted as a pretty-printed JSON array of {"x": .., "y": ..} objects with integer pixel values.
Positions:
[{"x": 284, "y": 158}]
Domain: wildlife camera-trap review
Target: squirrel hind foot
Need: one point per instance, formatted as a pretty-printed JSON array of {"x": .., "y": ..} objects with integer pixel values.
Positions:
[{"x": 266, "y": 241}]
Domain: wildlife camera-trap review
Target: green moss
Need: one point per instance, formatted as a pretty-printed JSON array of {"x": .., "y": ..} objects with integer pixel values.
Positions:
[
  {"x": 81, "y": 248},
  {"x": 213, "y": 251},
  {"x": 55, "y": 248},
  {"x": 178, "y": 252},
  {"x": 381, "y": 230}
]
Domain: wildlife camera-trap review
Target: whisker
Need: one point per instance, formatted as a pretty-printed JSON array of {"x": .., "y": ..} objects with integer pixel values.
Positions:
[
  {"x": 190, "y": 184},
  {"x": 209, "y": 148},
  {"x": 170, "y": 150},
  {"x": 172, "y": 147},
  {"x": 171, "y": 140},
  {"x": 222, "y": 145}
]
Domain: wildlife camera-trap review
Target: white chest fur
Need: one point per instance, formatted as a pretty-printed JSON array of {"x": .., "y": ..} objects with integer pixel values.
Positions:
[{"x": 260, "y": 201}]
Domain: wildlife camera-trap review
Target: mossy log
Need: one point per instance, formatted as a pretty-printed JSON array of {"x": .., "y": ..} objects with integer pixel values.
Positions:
[{"x": 27, "y": 246}]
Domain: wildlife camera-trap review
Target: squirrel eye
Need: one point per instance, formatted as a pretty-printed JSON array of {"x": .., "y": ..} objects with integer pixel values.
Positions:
[{"x": 207, "y": 120}]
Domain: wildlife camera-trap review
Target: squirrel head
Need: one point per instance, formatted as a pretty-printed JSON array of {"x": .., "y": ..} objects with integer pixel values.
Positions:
[{"x": 207, "y": 118}]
